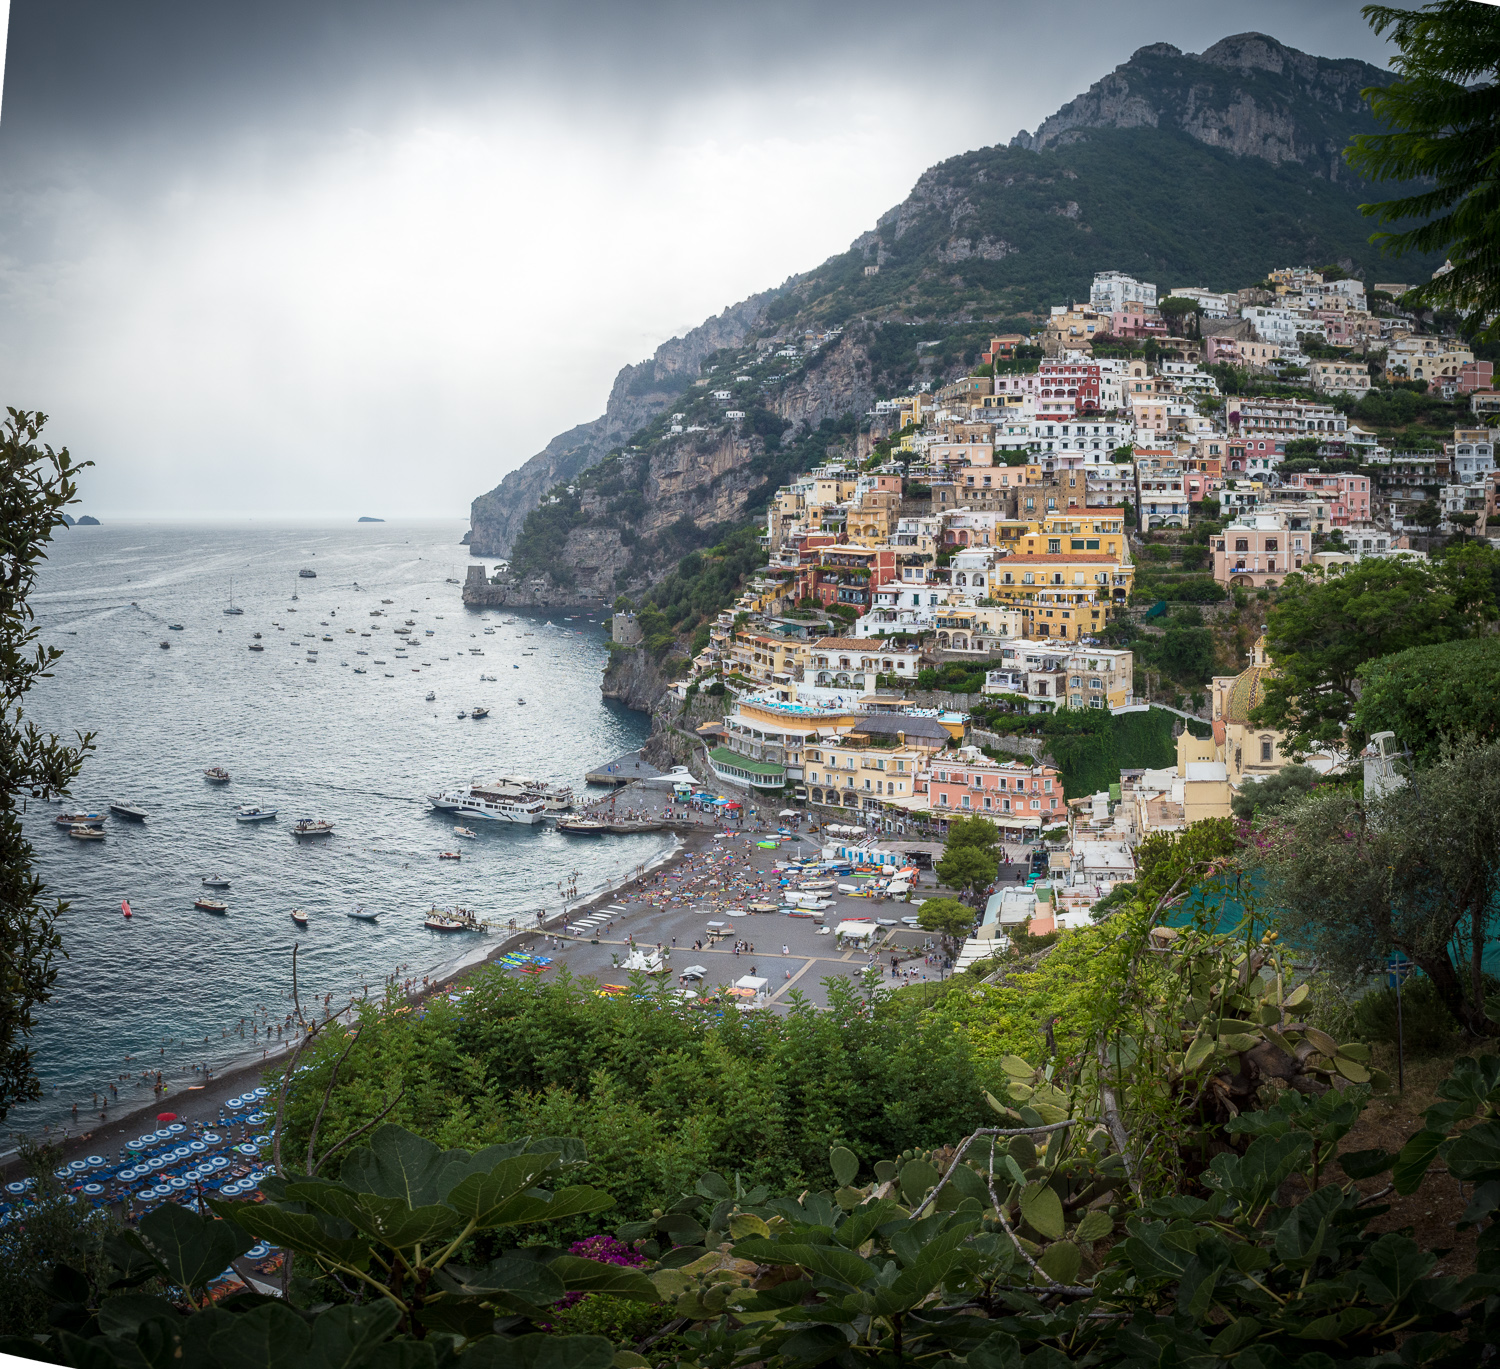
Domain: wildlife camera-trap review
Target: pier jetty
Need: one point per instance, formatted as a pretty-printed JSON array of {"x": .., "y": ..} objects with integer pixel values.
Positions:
[{"x": 626, "y": 770}]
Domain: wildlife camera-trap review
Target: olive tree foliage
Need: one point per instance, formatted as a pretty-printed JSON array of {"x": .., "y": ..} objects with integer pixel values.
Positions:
[
  {"x": 1321, "y": 633},
  {"x": 39, "y": 484},
  {"x": 1417, "y": 870},
  {"x": 1443, "y": 117}
]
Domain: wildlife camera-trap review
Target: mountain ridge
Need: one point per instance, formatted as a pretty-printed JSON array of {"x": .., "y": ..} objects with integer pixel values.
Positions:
[{"x": 1205, "y": 168}]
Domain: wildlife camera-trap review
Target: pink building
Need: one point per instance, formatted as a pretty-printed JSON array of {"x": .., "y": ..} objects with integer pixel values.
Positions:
[
  {"x": 1348, "y": 496},
  {"x": 1476, "y": 375},
  {"x": 968, "y": 784}
]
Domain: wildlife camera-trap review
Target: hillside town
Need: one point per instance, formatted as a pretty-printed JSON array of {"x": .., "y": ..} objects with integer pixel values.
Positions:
[{"x": 997, "y": 524}]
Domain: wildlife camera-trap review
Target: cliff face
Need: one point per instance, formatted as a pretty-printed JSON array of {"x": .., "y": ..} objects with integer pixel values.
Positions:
[
  {"x": 639, "y": 394},
  {"x": 637, "y": 681},
  {"x": 1248, "y": 94}
]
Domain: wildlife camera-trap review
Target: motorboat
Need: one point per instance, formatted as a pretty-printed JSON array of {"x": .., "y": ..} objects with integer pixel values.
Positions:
[
  {"x": 299, "y": 917},
  {"x": 522, "y": 702},
  {"x": 79, "y": 819},
  {"x": 360, "y": 670},
  {"x": 216, "y": 882},
  {"x": 479, "y": 711},
  {"x": 126, "y": 810},
  {"x": 489, "y": 679},
  {"x": 450, "y": 855},
  {"x": 211, "y": 905},
  {"x": 81, "y": 833},
  {"x": 305, "y": 574},
  {"x": 164, "y": 644},
  {"x": 465, "y": 832},
  {"x": 217, "y": 774},
  {"x": 174, "y": 627},
  {"x": 256, "y": 635},
  {"x": 310, "y": 827},
  {"x": 430, "y": 696},
  {"x": 255, "y": 815},
  {"x": 387, "y": 601},
  {"x": 463, "y": 715},
  {"x": 584, "y": 827},
  {"x": 256, "y": 646},
  {"x": 328, "y": 636},
  {"x": 359, "y": 913}
]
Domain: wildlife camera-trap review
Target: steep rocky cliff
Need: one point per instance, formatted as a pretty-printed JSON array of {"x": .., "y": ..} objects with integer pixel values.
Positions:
[
  {"x": 1248, "y": 94},
  {"x": 639, "y": 394}
]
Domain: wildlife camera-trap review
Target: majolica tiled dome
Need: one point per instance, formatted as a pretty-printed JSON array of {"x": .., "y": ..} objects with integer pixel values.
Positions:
[{"x": 1245, "y": 693}]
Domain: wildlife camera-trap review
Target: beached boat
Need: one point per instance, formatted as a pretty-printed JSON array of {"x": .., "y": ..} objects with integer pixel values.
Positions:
[
  {"x": 299, "y": 917},
  {"x": 310, "y": 827},
  {"x": 211, "y": 905},
  {"x": 81, "y": 833},
  {"x": 127, "y": 810},
  {"x": 255, "y": 815},
  {"x": 216, "y": 774}
]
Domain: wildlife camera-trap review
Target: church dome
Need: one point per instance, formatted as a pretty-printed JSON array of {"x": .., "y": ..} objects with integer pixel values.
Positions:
[{"x": 1247, "y": 691}]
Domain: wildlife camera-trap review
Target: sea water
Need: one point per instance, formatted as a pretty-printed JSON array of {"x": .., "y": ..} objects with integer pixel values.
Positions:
[{"x": 310, "y": 739}]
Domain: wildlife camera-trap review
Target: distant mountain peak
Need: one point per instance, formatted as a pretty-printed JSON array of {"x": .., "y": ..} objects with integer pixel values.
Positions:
[{"x": 1280, "y": 108}]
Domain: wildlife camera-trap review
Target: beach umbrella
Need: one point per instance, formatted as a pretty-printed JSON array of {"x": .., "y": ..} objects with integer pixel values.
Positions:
[{"x": 166, "y": 1116}]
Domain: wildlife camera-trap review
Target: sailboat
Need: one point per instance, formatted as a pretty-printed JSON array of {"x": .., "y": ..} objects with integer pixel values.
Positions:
[
  {"x": 294, "y": 590},
  {"x": 232, "y": 611}
]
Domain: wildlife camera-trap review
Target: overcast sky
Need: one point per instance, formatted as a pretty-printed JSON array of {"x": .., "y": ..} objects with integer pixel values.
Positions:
[{"x": 334, "y": 257}]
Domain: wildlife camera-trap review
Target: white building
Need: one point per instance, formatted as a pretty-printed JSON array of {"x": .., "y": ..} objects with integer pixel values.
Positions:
[{"x": 1112, "y": 290}]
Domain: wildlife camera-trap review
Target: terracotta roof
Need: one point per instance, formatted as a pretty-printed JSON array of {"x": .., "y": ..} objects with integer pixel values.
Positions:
[{"x": 875, "y": 646}]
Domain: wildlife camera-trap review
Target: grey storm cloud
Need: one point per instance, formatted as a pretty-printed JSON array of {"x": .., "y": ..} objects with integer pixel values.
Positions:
[{"x": 260, "y": 256}]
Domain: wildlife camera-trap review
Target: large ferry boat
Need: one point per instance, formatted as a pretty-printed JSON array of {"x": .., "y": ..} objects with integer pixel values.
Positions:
[{"x": 495, "y": 803}]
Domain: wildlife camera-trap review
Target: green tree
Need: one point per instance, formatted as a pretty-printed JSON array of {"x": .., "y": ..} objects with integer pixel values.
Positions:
[
  {"x": 950, "y": 920},
  {"x": 1445, "y": 132},
  {"x": 1427, "y": 514},
  {"x": 1416, "y": 870},
  {"x": 968, "y": 869},
  {"x": 1276, "y": 791},
  {"x": 975, "y": 831},
  {"x": 1431, "y": 694},
  {"x": 39, "y": 484},
  {"x": 1187, "y": 654},
  {"x": 1321, "y": 632},
  {"x": 1177, "y": 308}
]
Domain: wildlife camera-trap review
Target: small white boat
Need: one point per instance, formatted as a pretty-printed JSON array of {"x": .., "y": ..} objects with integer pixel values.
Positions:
[
  {"x": 81, "y": 833},
  {"x": 358, "y": 912},
  {"x": 465, "y": 832},
  {"x": 479, "y": 711},
  {"x": 299, "y": 917},
  {"x": 255, "y": 815},
  {"x": 216, "y": 882},
  {"x": 127, "y": 810},
  {"x": 211, "y": 905},
  {"x": 430, "y": 696},
  {"x": 217, "y": 774}
]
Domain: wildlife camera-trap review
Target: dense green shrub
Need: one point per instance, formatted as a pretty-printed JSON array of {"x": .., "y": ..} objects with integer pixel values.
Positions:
[{"x": 1426, "y": 1025}]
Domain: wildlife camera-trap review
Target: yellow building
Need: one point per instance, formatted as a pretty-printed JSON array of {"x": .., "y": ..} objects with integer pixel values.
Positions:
[{"x": 1247, "y": 752}]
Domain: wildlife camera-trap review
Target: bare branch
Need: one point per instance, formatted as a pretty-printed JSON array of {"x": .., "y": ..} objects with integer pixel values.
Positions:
[
  {"x": 339, "y": 1145},
  {"x": 1112, "y": 1119},
  {"x": 333, "y": 1078}
]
